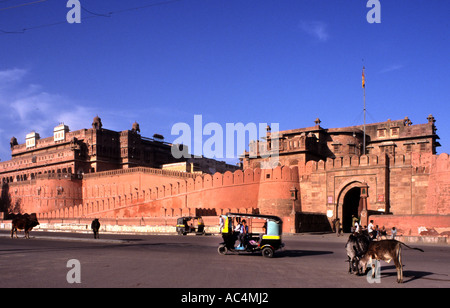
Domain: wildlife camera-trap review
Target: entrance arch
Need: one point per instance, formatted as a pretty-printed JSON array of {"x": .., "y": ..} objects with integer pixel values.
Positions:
[
  {"x": 350, "y": 207},
  {"x": 349, "y": 203}
]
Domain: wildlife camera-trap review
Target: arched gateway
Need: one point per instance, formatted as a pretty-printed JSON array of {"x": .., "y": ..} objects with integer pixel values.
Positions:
[{"x": 350, "y": 204}]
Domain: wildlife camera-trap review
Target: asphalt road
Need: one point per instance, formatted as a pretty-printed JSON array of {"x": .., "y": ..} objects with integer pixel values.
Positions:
[{"x": 162, "y": 261}]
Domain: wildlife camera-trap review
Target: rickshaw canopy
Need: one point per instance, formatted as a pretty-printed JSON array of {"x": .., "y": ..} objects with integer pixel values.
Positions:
[
  {"x": 190, "y": 224},
  {"x": 266, "y": 243},
  {"x": 274, "y": 223},
  {"x": 184, "y": 219}
]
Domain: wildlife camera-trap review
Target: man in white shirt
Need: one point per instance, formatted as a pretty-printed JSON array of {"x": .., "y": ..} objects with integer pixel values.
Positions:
[
  {"x": 356, "y": 227},
  {"x": 243, "y": 233},
  {"x": 370, "y": 229}
]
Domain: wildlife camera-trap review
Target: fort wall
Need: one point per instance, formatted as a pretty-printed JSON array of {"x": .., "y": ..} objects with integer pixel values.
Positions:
[
  {"x": 438, "y": 190},
  {"x": 47, "y": 192},
  {"x": 406, "y": 225},
  {"x": 143, "y": 192},
  {"x": 411, "y": 185},
  {"x": 413, "y": 189},
  {"x": 401, "y": 184}
]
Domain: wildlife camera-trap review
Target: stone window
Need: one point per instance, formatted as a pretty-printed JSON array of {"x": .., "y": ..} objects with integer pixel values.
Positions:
[
  {"x": 381, "y": 133},
  {"x": 423, "y": 147},
  {"x": 395, "y": 131},
  {"x": 336, "y": 148},
  {"x": 388, "y": 149},
  {"x": 409, "y": 146},
  {"x": 59, "y": 190},
  {"x": 352, "y": 149}
]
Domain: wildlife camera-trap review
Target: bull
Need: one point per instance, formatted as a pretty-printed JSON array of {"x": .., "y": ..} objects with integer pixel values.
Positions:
[
  {"x": 385, "y": 250},
  {"x": 356, "y": 247},
  {"x": 24, "y": 222}
]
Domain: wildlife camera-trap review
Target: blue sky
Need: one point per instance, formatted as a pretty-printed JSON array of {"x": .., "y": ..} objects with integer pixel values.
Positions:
[{"x": 250, "y": 61}]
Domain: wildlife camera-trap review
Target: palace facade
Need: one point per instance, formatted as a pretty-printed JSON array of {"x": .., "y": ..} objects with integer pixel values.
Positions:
[{"x": 317, "y": 143}]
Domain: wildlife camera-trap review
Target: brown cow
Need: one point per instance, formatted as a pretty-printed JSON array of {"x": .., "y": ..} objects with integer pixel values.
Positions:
[
  {"x": 385, "y": 250},
  {"x": 24, "y": 222},
  {"x": 356, "y": 247}
]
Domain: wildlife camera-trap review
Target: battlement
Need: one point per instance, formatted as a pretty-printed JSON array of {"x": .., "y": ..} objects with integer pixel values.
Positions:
[
  {"x": 181, "y": 182},
  {"x": 441, "y": 163},
  {"x": 420, "y": 162},
  {"x": 248, "y": 176},
  {"x": 145, "y": 170},
  {"x": 239, "y": 190}
]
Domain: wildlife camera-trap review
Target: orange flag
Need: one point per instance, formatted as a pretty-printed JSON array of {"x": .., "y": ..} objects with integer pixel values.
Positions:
[{"x": 363, "y": 78}]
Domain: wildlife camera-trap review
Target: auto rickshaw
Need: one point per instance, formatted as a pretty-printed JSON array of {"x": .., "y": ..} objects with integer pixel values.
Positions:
[
  {"x": 190, "y": 224},
  {"x": 266, "y": 242}
]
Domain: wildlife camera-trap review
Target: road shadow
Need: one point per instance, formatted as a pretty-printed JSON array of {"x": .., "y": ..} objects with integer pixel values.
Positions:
[
  {"x": 130, "y": 240},
  {"x": 302, "y": 253},
  {"x": 410, "y": 275}
]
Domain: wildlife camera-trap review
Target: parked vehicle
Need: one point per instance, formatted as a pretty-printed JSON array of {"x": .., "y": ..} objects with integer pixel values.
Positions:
[
  {"x": 190, "y": 224},
  {"x": 266, "y": 242}
]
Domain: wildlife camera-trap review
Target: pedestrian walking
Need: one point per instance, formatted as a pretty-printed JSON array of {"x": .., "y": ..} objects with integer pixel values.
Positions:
[
  {"x": 337, "y": 227},
  {"x": 95, "y": 226}
]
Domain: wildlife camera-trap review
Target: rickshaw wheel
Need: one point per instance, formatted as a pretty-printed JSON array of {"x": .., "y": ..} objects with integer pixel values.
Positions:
[
  {"x": 267, "y": 252},
  {"x": 222, "y": 250}
]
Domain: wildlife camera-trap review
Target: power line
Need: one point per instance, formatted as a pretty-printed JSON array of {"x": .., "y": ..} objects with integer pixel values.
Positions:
[
  {"x": 94, "y": 15},
  {"x": 21, "y": 5},
  {"x": 10, "y": 32},
  {"x": 144, "y": 6},
  {"x": 3, "y": 1}
]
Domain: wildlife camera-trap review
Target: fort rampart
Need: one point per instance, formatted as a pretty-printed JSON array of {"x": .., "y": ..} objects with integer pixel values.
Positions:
[
  {"x": 152, "y": 193},
  {"x": 407, "y": 191},
  {"x": 413, "y": 185}
]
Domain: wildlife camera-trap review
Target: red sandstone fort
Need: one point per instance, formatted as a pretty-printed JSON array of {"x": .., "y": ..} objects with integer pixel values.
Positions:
[{"x": 321, "y": 174}]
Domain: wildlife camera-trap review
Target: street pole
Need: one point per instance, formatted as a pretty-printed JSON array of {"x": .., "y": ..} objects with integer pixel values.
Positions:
[{"x": 364, "y": 89}]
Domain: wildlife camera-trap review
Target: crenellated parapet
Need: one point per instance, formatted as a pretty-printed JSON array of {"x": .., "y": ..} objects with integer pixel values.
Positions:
[
  {"x": 139, "y": 192},
  {"x": 419, "y": 162}
]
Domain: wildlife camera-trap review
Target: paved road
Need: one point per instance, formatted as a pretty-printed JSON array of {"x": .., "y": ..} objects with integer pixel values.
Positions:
[{"x": 193, "y": 262}]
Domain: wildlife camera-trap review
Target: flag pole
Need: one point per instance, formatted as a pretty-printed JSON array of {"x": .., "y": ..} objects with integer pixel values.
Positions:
[{"x": 364, "y": 88}]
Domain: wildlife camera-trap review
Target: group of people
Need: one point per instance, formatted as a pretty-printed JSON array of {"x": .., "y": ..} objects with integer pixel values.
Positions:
[
  {"x": 241, "y": 231},
  {"x": 378, "y": 234},
  {"x": 374, "y": 231}
]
